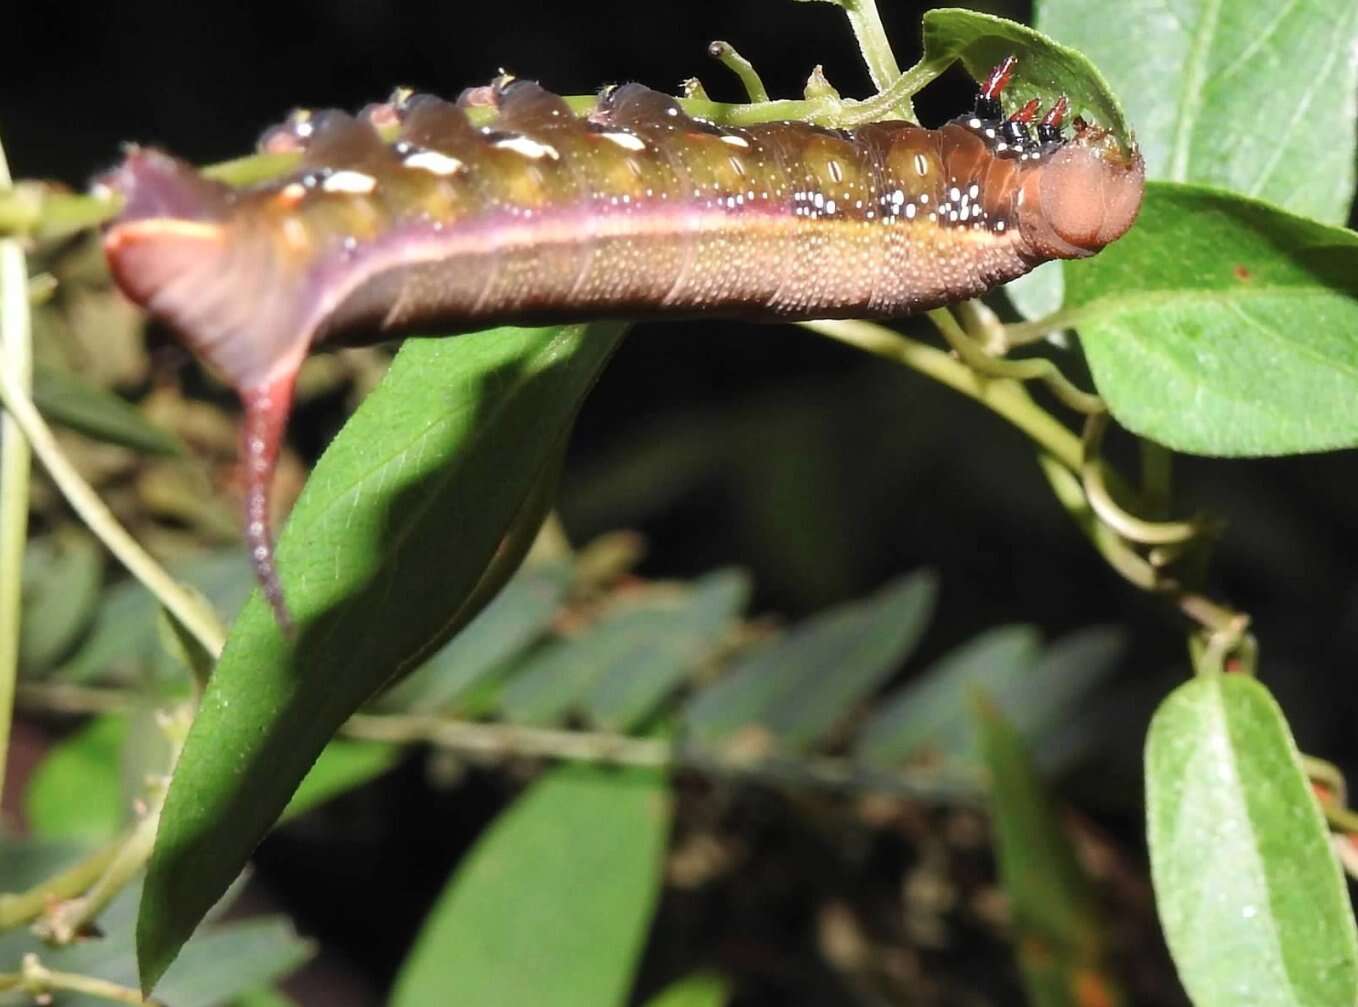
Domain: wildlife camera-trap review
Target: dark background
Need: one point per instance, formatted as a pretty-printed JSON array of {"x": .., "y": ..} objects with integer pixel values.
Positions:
[{"x": 822, "y": 470}]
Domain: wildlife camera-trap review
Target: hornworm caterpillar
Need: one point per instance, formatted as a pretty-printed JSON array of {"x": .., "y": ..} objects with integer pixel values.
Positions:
[{"x": 635, "y": 210}]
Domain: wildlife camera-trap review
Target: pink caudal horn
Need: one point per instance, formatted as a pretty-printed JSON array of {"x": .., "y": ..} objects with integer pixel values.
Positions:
[{"x": 180, "y": 251}]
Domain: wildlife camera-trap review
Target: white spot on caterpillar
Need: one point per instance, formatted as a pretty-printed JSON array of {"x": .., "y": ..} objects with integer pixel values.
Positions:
[
  {"x": 627, "y": 141},
  {"x": 974, "y": 191},
  {"x": 735, "y": 141},
  {"x": 955, "y": 194},
  {"x": 353, "y": 183},
  {"x": 999, "y": 225},
  {"x": 829, "y": 206},
  {"x": 528, "y": 147},
  {"x": 292, "y": 192},
  {"x": 434, "y": 162},
  {"x": 836, "y": 171},
  {"x": 921, "y": 165},
  {"x": 910, "y": 211},
  {"x": 898, "y": 197},
  {"x": 924, "y": 197}
]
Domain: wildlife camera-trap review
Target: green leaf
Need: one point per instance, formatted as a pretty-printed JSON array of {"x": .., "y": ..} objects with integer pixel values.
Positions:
[
  {"x": 931, "y": 716},
  {"x": 1219, "y": 325},
  {"x": 552, "y": 905},
  {"x": 77, "y": 790},
  {"x": 394, "y": 544},
  {"x": 1059, "y": 936},
  {"x": 1199, "y": 79},
  {"x": 67, "y": 401},
  {"x": 794, "y": 690},
  {"x": 888, "y": 627},
  {"x": 629, "y": 689},
  {"x": 1047, "y": 694},
  {"x": 1045, "y": 69},
  {"x": 62, "y": 576},
  {"x": 548, "y": 685},
  {"x": 342, "y": 765},
  {"x": 517, "y": 616},
  {"x": 1250, "y": 895},
  {"x": 699, "y": 990}
]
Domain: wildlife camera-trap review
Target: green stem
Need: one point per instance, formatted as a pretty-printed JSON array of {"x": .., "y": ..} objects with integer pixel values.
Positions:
[
  {"x": 195, "y": 616},
  {"x": 872, "y": 41},
  {"x": 1130, "y": 527},
  {"x": 725, "y": 54},
  {"x": 1022, "y": 333},
  {"x": 16, "y": 365},
  {"x": 1037, "y": 369}
]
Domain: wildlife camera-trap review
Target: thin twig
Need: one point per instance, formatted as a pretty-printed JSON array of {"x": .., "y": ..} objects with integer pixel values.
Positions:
[
  {"x": 1128, "y": 525},
  {"x": 501, "y": 740},
  {"x": 41, "y": 982},
  {"x": 1035, "y": 369}
]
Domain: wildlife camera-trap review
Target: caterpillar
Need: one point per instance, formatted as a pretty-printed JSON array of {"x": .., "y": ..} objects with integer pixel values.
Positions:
[{"x": 634, "y": 210}]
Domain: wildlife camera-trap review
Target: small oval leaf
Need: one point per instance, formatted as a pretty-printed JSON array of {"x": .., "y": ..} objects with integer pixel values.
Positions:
[
  {"x": 552, "y": 905},
  {"x": 1250, "y": 895}
]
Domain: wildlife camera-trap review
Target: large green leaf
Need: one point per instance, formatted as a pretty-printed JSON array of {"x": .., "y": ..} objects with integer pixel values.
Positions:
[
  {"x": 386, "y": 555},
  {"x": 1250, "y": 895},
  {"x": 1251, "y": 95},
  {"x": 1220, "y": 325},
  {"x": 552, "y": 905}
]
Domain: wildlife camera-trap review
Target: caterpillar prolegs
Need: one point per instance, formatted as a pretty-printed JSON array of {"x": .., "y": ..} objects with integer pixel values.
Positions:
[{"x": 634, "y": 210}]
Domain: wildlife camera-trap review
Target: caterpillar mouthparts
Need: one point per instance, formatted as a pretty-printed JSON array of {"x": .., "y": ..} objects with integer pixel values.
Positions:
[{"x": 635, "y": 210}]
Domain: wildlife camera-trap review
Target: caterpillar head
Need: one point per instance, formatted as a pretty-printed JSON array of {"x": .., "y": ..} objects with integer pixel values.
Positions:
[{"x": 1082, "y": 196}]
